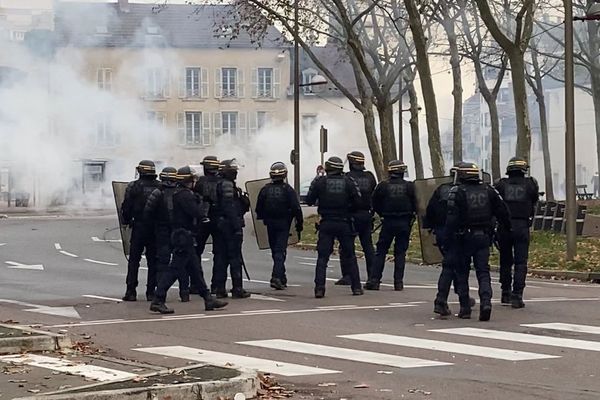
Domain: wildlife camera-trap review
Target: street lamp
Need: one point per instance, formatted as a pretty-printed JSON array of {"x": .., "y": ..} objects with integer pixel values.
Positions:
[{"x": 593, "y": 13}]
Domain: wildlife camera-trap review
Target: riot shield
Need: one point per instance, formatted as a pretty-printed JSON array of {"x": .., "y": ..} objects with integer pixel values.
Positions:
[
  {"x": 119, "y": 193},
  {"x": 260, "y": 230},
  {"x": 424, "y": 189}
]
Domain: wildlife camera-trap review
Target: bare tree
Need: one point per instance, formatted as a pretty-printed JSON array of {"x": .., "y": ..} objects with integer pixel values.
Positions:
[{"x": 414, "y": 127}]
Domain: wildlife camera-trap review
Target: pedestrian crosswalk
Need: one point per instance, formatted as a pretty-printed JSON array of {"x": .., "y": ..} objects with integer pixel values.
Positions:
[{"x": 435, "y": 350}]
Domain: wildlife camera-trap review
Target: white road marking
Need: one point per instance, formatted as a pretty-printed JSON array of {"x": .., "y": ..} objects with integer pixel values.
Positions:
[
  {"x": 2, "y": 244},
  {"x": 16, "y": 265},
  {"x": 57, "y": 246},
  {"x": 344, "y": 354},
  {"x": 97, "y": 239},
  {"x": 226, "y": 359},
  {"x": 458, "y": 348},
  {"x": 266, "y": 298},
  {"x": 523, "y": 338},
  {"x": 66, "y": 253},
  {"x": 233, "y": 315},
  {"x": 340, "y": 306},
  {"x": 547, "y": 299},
  {"x": 100, "y": 262},
  {"x": 69, "y": 312},
  {"x": 93, "y": 296},
  {"x": 265, "y": 282},
  {"x": 274, "y": 310},
  {"x": 405, "y": 286},
  {"x": 557, "y": 326},
  {"x": 314, "y": 258},
  {"x": 62, "y": 365}
]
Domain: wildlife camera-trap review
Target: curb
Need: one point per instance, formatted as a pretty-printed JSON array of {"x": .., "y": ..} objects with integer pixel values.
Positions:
[
  {"x": 247, "y": 383},
  {"x": 541, "y": 273},
  {"x": 34, "y": 341}
]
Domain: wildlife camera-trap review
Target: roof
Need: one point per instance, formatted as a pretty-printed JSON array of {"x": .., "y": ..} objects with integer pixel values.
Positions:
[{"x": 147, "y": 25}]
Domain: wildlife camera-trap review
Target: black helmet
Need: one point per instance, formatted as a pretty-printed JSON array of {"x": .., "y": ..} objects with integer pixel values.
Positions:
[
  {"x": 210, "y": 164},
  {"x": 185, "y": 174},
  {"x": 397, "y": 168},
  {"x": 229, "y": 169},
  {"x": 517, "y": 164},
  {"x": 278, "y": 171},
  {"x": 146, "y": 168},
  {"x": 466, "y": 171},
  {"x": 334, "y": 165},
  {"x": 356, "y": 160},
  {"x": 168, "y": 174}
]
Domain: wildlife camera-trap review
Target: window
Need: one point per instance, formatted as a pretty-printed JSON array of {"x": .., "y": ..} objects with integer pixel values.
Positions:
[
  {"x": 309, "y": 122},
  {"x": 104, "y": 77},
  {"x": 17, "y": 36},
  {"x": 230, "y": 123},
  {"x": 156, "y": 83},
  {"x": 307, "y": 76},
  {"x": 262, "y": 119},
  {"x": 101, "y": 30},
  {"x": 265, "y": 83},
  {"x": 194, "y": 128},
  {"x": 192, "y": 82},
  {"x": 228, "y": 82},
  {"x": 105, "y": 136}
]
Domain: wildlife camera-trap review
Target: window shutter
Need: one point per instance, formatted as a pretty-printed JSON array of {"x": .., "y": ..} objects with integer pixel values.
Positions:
[
  {"x": 240, "y": 83},
  {"x": 242, "y": 124},
  {"x": 167, "y": 83},
  {"x": 204, "y": 83},
  {"x": 218, "y": 83},
  {"x": 254, "y": 83},
  {"x": 206, "y": 132},
  {"x": 108, "y": 77},
  {"x": 276, "y": 83},
  {"x": 181, "y": 128},
  {"x": 182, "y": 84},
  {"x": 99, "y": 78},
  {"x": 217, "y": 124},
  {"x": 252, "y": 123}
]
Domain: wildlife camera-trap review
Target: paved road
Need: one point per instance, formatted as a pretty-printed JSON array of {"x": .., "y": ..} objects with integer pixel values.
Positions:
[{"x": 390, "y": 342}]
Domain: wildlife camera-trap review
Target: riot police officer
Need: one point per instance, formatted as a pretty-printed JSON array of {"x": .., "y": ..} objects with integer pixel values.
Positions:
[
  {"x": 231, "y": 206},
  {"x": 394, "y": 201},
  {"x": 206, "y": 187},
  {"x": 186, "y": 209},
  {"x": 472, "y": 205},
  {"x": 142, "y": 232},
  {"x": 277, "y": 205},
  {"x": 337, "y": 196},
  {"x": 159, "y": 208},
  {"x": 363, "y": 215},
  {"x": 520, "y": 193}
]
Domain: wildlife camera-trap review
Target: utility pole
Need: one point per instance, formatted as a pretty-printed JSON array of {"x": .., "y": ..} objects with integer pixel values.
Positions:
[
  {"x": 571, "y": 201},
  {"x": 400, "y": 121},
  {"x": 296, "y": 155}
]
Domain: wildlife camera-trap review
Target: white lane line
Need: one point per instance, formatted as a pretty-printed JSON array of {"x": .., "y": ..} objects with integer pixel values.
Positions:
[
  {"x": 523, "y": 338},
  {"x": 2, "y": 244},
  {"x": 226, "y": 359},
  {"x": 344, "y": 354},
  {"x": 266, "y": 282},
  {"x": 97, "y": 239},
  {"x": 557, "y": 326},
  {"x": 16, "y": 265},
  {"x": 93, "y": 296},
  {"x": 233, "y": 315},
  {"x": 57, "y": 364},
  {"x": 340, "y": 306},
  {"x": 100, "y": 262},
  {"x": 57, "y": 246},
  {"x": 273, "y": 310},
  {"x": 266, "y": 298},
  {"x": 314, "y": 258},
  {"x": 66, "y": 253},
  {"x": 458, "y": 348}
]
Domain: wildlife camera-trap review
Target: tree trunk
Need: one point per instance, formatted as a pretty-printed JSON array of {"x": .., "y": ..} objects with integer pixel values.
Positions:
[
  {"x": 371, "y": 134},
  {"x": 431, "y": 113},
  {"x": 517, "y": 66},
  {"x": 386, "y": 131},
  {"x": 495, "y": 127},
  {"x": 545, "y": 145},
  {"x": 414, "y": 131},
  {"x": 594, "y": 52},
  {"x": 595, "y": 80},
  {"x": 457, "y": 150}
]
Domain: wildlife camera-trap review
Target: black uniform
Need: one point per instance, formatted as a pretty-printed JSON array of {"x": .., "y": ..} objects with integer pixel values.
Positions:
[
  {"x": 471, "y": 208},
  {"x": 277, "y": 205},
  {"x": 229, "y": 212},
  {"x": 337, "y": 196},
  {"x": 394, "y": 201},
  {"x": 142, "y": 233},
  {"x": 362, "y": 217},
  {"x": 520, "y": 194},
  {"x": 159, "y": 208}
]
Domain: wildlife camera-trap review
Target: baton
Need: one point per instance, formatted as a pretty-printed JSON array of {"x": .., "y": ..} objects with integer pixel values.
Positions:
[{"x": 245, "y": 269}]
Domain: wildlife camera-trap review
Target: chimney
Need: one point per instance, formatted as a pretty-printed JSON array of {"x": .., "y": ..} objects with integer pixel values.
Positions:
[{"x": 124, "y": 6}]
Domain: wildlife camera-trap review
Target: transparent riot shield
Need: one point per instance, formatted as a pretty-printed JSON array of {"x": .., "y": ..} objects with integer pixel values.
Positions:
[
  {"x": 424, "y": 189},
  {"x": 260, "y": 230},
  {"x": 119, "y": 193}
]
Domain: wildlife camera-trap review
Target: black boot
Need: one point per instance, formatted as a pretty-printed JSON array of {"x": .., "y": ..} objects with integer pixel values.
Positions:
[
  {"x": 220, "y": 293},
  {"x": 506, "y": 298},
  {"x": 343, "y": 281},
  {"x": 464, "y": 313},
  {"x": 371, "y": 285},
  {"x": 130, "y": 296},
  {"x": 277, "y": 284},
  {"x": 239, "y": 293},
  {"x": 516, "y": 301},
  {"x": 472, "y": 302},
  {"x": 357, "y": 291},
  {"x": 211, "y": 303},
  {"x": 485, "y": 310},
  {"x": 441, "y": 308},
  {"x": 161, "y": 308},
  {"x": 149, "y": 296},
  {"x": 184, "y": 296},
  {"x": 319, "y": 292},
  {"x": 398, "y": 286}
]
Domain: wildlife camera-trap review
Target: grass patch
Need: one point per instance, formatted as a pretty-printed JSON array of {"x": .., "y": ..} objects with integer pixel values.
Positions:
[{"x": 546, "y": 251}]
